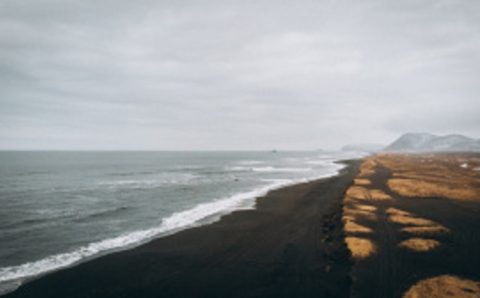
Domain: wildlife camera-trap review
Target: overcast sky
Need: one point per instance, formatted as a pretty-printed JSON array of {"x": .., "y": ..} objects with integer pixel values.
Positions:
[{"x": 179, "y": 75}]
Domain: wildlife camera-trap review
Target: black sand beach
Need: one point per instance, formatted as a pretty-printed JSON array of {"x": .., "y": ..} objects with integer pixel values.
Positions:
[
  {"x": 427, "y": 238},
  {"x": 291, "y": 245}
]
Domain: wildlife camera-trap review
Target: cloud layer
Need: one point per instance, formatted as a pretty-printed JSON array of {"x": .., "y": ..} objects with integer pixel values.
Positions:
[{"x": 180, "y": 75}]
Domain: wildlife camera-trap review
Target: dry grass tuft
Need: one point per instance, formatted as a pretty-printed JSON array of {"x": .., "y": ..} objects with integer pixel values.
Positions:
[
  {"x": 408, "y": 220},
  {"x": 362, "y": 193},
  {"x": 421, "y": 226},
  {"x": 362, "y": 182},
  {"x": 433, "y": 175},
  {"x": 395, "y": 211},
  {"x": 437, "y": 229},
  {"x": 360, "y": 248},
  {"x": 378, "y": 195},
  {"x": 419, "y": 244},
  {"x": 367, "y": 168},
  {"x": 444, "y": 286},
  {"x": 352, "y": 227},
  {"x": 422, "y": 188},
  {"x": 350, "y": 213},
  {"x": 357, "y": 192},
  {"x": 369, "y": 208}
]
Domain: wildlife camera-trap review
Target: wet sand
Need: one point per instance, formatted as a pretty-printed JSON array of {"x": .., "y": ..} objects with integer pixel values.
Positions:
[
  {"x": 291, "y": 245},
  {"x": 420, "y": 235}
]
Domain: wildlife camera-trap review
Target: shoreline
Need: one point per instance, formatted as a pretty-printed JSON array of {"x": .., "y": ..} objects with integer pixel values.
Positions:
[
  {"x": 171, "y": 225},
  {"x": 186, "y": 252}
]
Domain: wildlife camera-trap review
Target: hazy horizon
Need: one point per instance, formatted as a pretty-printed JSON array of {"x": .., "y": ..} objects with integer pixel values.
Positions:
[{"x": 224, "y": 75}]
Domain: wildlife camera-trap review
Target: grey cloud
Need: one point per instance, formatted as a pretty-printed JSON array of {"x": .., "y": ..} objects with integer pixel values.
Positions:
[{"x": 234, "y": 75}]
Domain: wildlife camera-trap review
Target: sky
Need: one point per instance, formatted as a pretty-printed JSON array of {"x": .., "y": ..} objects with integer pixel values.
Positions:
[{"x": 235, "y": 75}]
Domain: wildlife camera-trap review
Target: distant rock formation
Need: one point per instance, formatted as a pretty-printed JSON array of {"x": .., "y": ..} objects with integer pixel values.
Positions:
[{"x": 425, "y": 142}]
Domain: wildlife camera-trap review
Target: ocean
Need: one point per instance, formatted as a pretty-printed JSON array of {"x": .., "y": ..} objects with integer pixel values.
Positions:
[{"x": 62, "y": 208}]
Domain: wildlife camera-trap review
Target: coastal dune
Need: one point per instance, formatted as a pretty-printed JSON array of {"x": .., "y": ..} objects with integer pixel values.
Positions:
[{"x": 412, "y": 223}]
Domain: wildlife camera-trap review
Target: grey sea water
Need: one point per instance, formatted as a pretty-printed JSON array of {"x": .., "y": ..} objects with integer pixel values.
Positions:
[{"x": 59, "y": 208}]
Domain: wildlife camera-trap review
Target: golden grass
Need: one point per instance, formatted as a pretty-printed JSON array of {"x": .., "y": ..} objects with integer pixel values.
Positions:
[
  {"x": 395, "y": 211},
  {"x": 408, "y": 220},
  {"x": 352, "y": 227},
  {"x": 362, "y": 193},
  {"x": 437, "y": 229},
  {"x": 378, "y": 195},
  {"x": 421, "y": 226},
  {"x": 367, "y": 168},
  {"x": 357, "y": 192},
  {"x": 369, "y": 208},
  {"x": 360, "y": 248},
  {"x": 362, "y": 182},
  {"x": 354, "y": 213},
  {"x": 433, "y": 175},
  {"x": 419, "y": 244},
  {"x": 422, "y": 188},
  {"x": 444, "y": 286}
]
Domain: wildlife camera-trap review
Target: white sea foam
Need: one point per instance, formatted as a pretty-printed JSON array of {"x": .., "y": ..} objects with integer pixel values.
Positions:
[
  {"x": 13, "y": 276},
  {"x": 269, "y": 169},
  {"x": 154, "y": 182},
  {"x": 275, "y": 169}
]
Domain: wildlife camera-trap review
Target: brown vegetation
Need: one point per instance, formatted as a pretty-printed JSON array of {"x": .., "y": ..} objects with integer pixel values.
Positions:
[
  {"x": 362, "y": 182},
  {"x": 396, "y": 211},
  {"x": 422, "y": 188},
  {"x": 357, "y": 192},
  {"x": 427, "y": 175},
  {"x": 419, "y": 244},
  {"x": 367, "y": 168},
  {"x": 380, "y": 211},
  {"x": 420, "y": 226},
  {"x": 409, "y": 220},
  {"x": 378, "y": 195},
  {"x": 353, "y": 214},
  {"x": 362, "y": 193},
  {"x": 368, "y": 208},
  {"x": 437, "y": 229},
  {"x": 360, "y": 248},
  {"x": 353, "y": 227},
  {"x": 444, "y": 286}
]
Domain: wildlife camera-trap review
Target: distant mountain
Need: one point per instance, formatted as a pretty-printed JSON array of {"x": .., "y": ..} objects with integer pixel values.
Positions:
[
  {"x": 363, "y": 147},
  {"x": 425, "y": 142}
]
